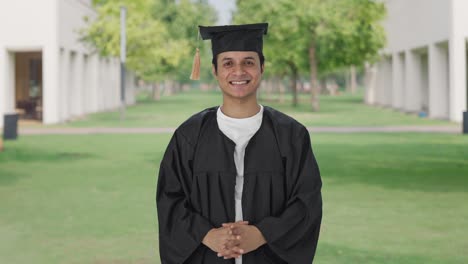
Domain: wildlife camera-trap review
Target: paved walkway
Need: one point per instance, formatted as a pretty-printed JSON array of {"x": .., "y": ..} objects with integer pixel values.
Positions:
[{"x": 148, "y": 130}]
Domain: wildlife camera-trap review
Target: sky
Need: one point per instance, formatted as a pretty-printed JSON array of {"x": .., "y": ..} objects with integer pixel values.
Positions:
[{"x": 224, "y": 8}]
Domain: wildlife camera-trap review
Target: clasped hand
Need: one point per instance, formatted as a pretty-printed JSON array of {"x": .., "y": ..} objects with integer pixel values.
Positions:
[{"x": 232, "y": 240}]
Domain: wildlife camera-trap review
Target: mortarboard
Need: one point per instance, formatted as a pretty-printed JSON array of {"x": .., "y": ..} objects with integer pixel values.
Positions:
[
  {"x": 235, "y": 37},
  {"x": 248, "y": 37}
]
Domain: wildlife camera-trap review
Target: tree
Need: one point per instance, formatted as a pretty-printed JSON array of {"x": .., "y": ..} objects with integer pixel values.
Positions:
[
  {"x": 161, "y": 35},
  {"x": 318, "y": 35},
  {"x": 183, "y": 18},
  {"x": 283, "y": 38}
]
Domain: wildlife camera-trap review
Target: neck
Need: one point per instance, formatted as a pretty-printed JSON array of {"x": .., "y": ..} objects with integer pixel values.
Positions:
[{"x": 239, "y": 108}]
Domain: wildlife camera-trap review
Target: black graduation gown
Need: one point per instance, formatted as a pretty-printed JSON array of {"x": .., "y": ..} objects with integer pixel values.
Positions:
[{"x": 281, "y": 194}]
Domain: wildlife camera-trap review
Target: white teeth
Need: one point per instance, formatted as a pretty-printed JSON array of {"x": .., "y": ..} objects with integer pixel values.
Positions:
[{"x": 242, "y": 82}]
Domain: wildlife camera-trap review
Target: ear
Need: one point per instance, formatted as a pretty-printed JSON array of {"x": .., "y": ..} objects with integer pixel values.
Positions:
[
  {"x": 262, "y": 68},
  {"x": 213, "y": 70}
]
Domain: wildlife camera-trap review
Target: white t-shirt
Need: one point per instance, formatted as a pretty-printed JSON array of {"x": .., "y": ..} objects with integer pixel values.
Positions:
[{"x": 239, "y": 130}]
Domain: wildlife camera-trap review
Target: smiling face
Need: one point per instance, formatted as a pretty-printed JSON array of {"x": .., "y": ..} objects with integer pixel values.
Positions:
[{"x": 239, "y": 74}]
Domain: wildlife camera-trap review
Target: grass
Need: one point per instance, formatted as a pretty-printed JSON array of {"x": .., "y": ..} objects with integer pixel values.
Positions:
[
  {"x": 388, "y": 198},
  {"x": 170, "y": 111}
]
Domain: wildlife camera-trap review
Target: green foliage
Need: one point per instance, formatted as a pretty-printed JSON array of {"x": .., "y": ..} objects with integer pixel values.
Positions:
[
  {"x": 182, "y": 19},
  {"x": 344, "y": 32},
  {"x": 161, "y": 34},
  {"x": 282, "y": 47},
  {"x": 353, "y": 35}
]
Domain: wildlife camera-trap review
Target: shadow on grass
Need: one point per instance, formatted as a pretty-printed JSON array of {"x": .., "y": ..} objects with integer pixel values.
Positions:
[
  {"x": 415, "y": 167},
  {"x": 329, "y": 253},
  {"x": 26, "y": 155},
  {"x": 8, "y": 177},
  {"x": 17, "y": 156}
]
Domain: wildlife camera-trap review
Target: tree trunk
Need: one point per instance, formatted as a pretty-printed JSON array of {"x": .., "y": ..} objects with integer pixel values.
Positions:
[
  {"x": 269, "y": 89},
  {"x": 281, "y": 90},
  {"x": 168, "y": 87},
  {"x": 294, "y": 83},
  {"x": 314, "y": 90},
  {"x": 275, "y": 87},
  {"x": 177, "y": 87},
  {"x": 323, "y": 85},
  {"x": 348, "y": 80},
  {"x": 353, "y": 79},
  {"x": 156, "y": 91}
]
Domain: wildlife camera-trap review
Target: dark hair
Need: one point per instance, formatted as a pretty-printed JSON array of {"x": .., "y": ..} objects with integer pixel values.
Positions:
[{"x": 214, "y": 61}]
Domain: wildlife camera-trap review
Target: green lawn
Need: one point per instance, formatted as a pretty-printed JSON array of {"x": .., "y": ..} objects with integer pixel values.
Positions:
[
  {"x": 344, "y": 110},
  {"x": 388, "y": 198}
]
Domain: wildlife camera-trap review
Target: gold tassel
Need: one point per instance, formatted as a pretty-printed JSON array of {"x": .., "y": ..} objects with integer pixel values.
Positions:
[{"x": 196, "y": 66}]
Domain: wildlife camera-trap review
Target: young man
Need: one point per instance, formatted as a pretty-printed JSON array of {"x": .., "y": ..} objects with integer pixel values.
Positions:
[{"x": 239, "y": 183}]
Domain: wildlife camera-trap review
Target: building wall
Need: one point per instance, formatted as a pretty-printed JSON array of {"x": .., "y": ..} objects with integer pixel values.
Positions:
[
  {"x": 427, "y": 41},
  {"x": 25, "y": 26},
  {"x": 88, "y": 83},
  {"x": 76, "y": 81},
  {"x": 413, "y": 24},
  {"x": 458, "y": 59}
]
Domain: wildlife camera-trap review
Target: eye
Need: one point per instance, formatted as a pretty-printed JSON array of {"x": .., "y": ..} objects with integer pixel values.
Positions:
[
  {"x": 227, "y": 64},
  {"x": 249, "y": 63}
]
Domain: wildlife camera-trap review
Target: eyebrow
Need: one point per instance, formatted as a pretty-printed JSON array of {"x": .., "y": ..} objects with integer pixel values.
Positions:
[{"x": 246, "y": 58}]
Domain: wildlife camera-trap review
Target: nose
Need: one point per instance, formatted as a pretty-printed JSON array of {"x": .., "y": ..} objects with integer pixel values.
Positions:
[{"x": 239, "y": 69}]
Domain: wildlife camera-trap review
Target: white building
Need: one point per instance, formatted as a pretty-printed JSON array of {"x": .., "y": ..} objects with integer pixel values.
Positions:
[
  {"x": 46, "y": 73},
  {"x": 424, "y": 66}
]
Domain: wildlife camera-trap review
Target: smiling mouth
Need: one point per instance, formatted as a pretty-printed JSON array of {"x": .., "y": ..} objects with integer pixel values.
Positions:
[{"x": 239, "y": 82}]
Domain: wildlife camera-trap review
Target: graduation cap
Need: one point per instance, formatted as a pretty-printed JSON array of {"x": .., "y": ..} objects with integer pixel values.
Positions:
[{"x": 247, "y": 37}]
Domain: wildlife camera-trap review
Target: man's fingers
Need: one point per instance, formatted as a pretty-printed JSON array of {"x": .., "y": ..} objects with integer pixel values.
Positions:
[
  {"x": 232, "y": 253},
  {"x": 232, "y": 243},
  {"x": 238, "y": 250},
  {"x": 235, "y": 223}
]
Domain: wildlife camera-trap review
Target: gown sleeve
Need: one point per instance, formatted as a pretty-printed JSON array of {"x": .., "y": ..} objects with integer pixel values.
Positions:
[
  {"x": 181, "y": 229},
  {"x": 293, "y": 235}
]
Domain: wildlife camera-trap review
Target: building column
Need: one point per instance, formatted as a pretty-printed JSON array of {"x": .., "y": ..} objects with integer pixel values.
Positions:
[
  {"x": 387, "y": 87},
  {"x": 457, "y": 61},
  {"x": 398, "y": 80},
  {"x": 457, "y": 75},
  {"x": 115, "y": 83},
  {"x": 86, "y": 91},
  {"x": 51, "y": 84},
  {"x": 64, "y": 103},
  {"x": 93, "y": 66},
  {"x": 72, "y": 95},
  {"x": 7, "y": 82},
  {"x": 370, "y": 83},
  {"x": 379, "y": 82},
  {"x": 106, "y": 85},
  {"x": 78, "y": 72},
  {"x": 3, "y": 82},
  {"x": 100, "y": 88},
  {"x": 412, "y": 83},
  {"x": 438, "y": 82},
  {"x": 384, "y": 82}
]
